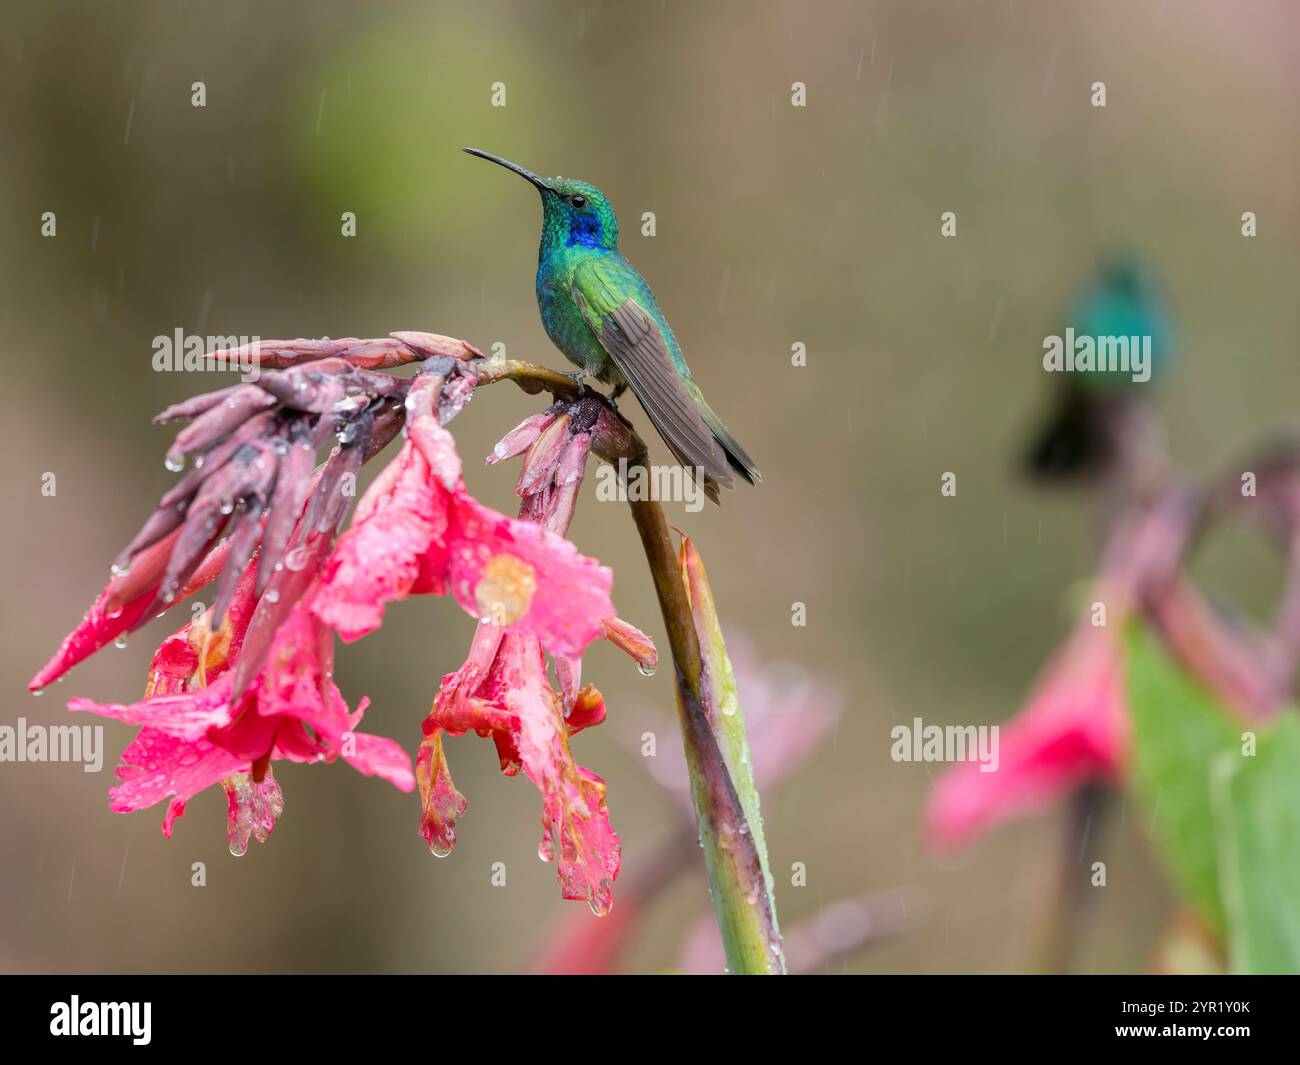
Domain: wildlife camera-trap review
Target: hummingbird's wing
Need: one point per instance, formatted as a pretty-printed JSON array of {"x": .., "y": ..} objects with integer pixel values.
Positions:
[{"x": 603, "y": 291}]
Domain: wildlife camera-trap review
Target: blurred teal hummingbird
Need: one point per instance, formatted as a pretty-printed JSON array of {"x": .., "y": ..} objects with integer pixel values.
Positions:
[
  {"x": 1092, "y": 409},
  {"x": 601, "y": 313}
]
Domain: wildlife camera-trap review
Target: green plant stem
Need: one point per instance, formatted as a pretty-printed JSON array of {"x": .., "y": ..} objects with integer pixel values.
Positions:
[{"x": 743, "y": 906}]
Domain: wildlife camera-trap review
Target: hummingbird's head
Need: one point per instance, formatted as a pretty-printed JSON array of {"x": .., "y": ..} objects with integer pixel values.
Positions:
[{"x": 573, "y": 212}]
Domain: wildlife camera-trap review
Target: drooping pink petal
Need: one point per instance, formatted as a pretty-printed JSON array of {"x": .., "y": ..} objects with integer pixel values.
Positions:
[
  {"x": 1074, "y": 728},
  {"x": 378, "y": 756},
  {"x": 252, "y": 809},
  {"x": 441, "y": 805},
  {"x": 503, "y": 690},
  {"x": 186, "y": 715},
  {"x": 157, "y": 766},
  {"x": 576, "y": 833}
]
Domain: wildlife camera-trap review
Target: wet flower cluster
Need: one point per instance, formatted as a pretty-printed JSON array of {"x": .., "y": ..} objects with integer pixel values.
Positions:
[{"x": 249, "y": 680}]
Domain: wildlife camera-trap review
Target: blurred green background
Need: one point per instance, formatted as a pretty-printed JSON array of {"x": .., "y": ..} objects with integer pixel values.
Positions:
[{"x": 774, "y": 225}]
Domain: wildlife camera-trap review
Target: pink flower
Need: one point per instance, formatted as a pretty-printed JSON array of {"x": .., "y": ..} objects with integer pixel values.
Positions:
[
  {"x": 418, "y": 531},
  {"x": 502, "y": 691},
  {"x": 222, "y": 705},
  {"x": 1074, "y": 728},
  {"x": 195, "y": 736}
]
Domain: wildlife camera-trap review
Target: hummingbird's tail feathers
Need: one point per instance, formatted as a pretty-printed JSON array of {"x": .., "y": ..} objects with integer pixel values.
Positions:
[
  {"x": 636, "y": 342},
  {"x": 1075, "y": 443},
  {"x": 637, "y": 347},
  {"x": 737, "y": 457}
]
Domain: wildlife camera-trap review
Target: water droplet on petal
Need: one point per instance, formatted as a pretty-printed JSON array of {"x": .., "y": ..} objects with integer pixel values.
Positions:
[
  {"x": 175, "y": 465},
  {"x": 645, "y": 670},
  {"x": 120, "y": 642},
  {"x": 601, "y": 899}
]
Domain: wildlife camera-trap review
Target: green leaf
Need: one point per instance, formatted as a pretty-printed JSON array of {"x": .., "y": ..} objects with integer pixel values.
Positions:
[
  {"x": 1179, "y": 729},
  {"x": 735, "y": 852},
  {"x": 1257, "y": 817}
]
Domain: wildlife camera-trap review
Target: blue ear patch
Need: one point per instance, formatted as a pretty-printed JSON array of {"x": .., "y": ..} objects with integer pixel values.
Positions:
[{"x": 584, "y": 229}]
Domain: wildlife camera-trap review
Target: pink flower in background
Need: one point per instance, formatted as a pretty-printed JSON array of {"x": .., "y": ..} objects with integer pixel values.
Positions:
[
  {"x": 1073, "y": 729},
  {"x": 1075, "y": 726}
]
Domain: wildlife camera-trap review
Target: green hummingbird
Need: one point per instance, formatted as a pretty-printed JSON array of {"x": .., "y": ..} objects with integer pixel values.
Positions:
[
  {"x": 601, "y": 313},
  {"x": 1091, "y": 410}
]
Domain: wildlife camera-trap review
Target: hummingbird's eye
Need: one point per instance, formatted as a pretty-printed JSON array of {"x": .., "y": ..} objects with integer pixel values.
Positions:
[{"x": 579, "y": 201}]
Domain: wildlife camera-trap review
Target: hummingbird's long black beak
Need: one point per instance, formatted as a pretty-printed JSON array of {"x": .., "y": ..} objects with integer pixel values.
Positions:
[{"x": 541, "y": 183}]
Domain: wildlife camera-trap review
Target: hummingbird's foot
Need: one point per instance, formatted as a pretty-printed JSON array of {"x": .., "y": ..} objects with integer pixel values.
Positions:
[
  {"x": 576, "y": 377},
  {"x": 615, "y": 392}
]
